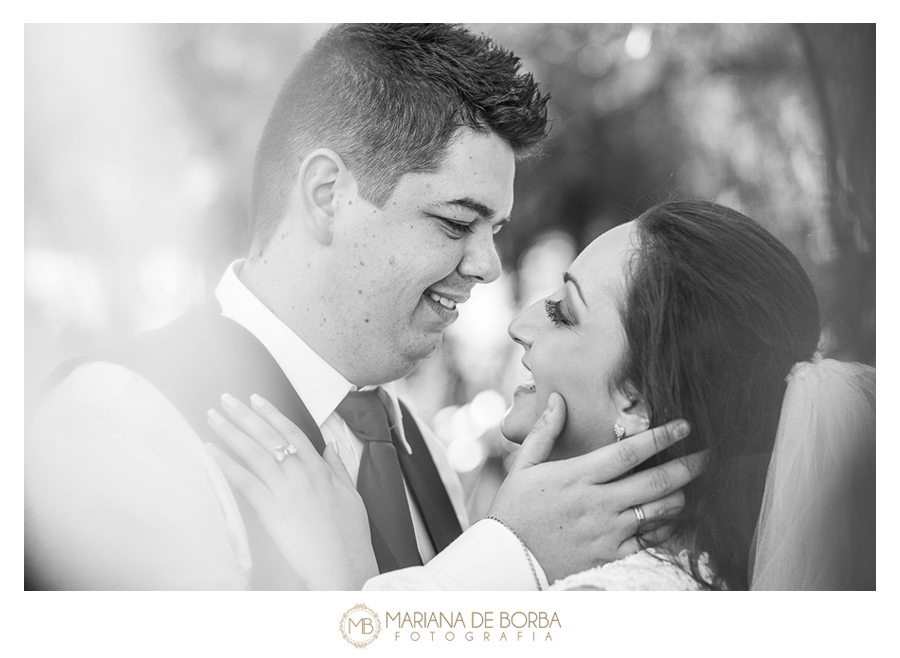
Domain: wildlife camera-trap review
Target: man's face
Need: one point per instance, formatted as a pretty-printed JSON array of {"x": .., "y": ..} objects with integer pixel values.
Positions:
[{"x": 401, "y": 271}]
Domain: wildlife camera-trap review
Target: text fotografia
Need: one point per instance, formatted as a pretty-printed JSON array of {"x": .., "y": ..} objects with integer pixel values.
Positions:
[{"x": 477, "y": 626}]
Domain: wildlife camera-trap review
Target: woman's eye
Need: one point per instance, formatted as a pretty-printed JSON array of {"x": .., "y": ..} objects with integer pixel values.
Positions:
[{"x": 554, "y": 312}]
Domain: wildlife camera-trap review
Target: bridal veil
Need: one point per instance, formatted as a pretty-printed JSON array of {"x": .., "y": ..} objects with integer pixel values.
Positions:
[{"x": 816, "y": 529}]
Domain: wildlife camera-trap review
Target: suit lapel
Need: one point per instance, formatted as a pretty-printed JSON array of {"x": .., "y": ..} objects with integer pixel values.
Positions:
[
  {"x": 224, "y": 358},
  {"x": 427, "y": 487}
]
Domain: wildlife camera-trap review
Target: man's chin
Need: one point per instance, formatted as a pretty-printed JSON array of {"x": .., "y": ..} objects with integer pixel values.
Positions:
[
  {"x": 425, "y": 348},
  {"x": 408, "y": 359}
]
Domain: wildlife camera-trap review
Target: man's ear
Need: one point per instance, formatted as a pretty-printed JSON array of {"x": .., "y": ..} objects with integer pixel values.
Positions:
[
  {"x": 314, "y": 192},
  {"x": 633, "y": 413}
]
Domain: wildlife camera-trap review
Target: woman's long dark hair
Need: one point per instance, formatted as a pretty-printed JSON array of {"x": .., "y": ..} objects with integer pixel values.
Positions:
[{"x": 716, "y": 313}]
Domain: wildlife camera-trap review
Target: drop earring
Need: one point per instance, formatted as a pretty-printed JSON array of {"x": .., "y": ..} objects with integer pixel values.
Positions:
[{"x": 619, "y": 431}]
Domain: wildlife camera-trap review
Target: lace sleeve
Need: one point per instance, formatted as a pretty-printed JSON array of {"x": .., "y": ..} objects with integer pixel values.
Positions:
[{"x": 648, "y": 570}]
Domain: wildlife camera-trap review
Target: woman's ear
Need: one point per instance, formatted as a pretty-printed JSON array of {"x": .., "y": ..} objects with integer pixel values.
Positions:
[
  {"x": 313, "y": 197},
  {"x": 633, "y": 413}
]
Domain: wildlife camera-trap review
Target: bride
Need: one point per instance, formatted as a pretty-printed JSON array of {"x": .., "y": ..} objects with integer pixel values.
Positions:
[{"x": 690, "y": 311}]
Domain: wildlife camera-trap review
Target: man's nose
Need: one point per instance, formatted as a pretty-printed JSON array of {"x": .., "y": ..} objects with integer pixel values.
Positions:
[{"x": 481, "y": 260}]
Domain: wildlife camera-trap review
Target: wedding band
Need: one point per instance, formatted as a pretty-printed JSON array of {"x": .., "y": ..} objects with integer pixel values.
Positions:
[
  {"x": 639, "y": 513},
  {"x": 281, "y": 452}
]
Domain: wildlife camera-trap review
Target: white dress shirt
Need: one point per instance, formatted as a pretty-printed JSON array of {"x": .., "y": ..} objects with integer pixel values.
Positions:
[{"x": 121, "y": 493}]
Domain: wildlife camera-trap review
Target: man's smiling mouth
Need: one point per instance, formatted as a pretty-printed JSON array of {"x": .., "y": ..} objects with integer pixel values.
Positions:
[
  {"x": 440, "y": 299},
  {"x": 448, "y": 300}
]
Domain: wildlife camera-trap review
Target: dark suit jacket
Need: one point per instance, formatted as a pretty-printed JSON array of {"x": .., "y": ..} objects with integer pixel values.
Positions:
[{"x": 197, "y": 358}]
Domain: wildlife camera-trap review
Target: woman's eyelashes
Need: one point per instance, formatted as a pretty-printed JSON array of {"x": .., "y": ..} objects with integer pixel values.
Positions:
[{"x": 555, "y": 312}]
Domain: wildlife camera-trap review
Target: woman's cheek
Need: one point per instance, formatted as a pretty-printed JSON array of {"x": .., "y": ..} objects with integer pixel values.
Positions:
[{"x": 588, "y": 427}]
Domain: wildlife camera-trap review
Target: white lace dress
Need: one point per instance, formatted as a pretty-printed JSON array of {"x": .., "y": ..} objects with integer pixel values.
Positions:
[{"x": 648, "y": 570}]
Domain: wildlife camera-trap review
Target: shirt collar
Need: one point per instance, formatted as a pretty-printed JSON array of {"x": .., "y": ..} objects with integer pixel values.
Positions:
[{"x": 320, "y": 386}]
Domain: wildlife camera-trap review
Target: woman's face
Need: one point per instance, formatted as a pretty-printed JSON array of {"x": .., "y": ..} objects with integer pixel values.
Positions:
[{"x": 573, "y": 341}]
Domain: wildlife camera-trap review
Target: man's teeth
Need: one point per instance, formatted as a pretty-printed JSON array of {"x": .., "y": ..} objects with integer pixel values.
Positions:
[{"x": 443, "y": 301}]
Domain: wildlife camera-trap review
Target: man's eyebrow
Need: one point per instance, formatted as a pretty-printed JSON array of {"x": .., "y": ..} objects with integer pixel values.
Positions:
[
  {"x": 568, "y": 278},
  {"x": 467, "y": 203}
]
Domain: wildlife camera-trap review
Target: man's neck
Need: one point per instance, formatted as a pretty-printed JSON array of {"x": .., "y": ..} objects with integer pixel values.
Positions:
[{"x": 297, "y": 306}]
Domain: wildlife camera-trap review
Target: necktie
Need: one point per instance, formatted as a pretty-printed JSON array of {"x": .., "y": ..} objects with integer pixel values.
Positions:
[{"x": 380, "y": 482}]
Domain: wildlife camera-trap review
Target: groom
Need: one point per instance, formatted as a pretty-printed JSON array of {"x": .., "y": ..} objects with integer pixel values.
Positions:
[{"x": 384, "y": 171}]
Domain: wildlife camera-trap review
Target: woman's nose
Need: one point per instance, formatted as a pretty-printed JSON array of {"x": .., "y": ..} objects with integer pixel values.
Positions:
[{"x": 523, "y": 328}]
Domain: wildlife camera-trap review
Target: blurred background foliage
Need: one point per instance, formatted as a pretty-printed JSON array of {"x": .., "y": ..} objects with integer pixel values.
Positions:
[{"x": 139, "y": 143}]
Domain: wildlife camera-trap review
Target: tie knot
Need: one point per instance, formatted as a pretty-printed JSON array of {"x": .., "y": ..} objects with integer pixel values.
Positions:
[{"x": 364, "y": 412}]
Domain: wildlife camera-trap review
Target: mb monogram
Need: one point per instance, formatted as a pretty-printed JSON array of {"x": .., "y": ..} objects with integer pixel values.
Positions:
[{"x": 360, "y": 626}]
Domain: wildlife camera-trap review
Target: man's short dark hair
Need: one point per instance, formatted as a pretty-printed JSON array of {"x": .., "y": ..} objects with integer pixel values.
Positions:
[{"x": 388, "y": 98}]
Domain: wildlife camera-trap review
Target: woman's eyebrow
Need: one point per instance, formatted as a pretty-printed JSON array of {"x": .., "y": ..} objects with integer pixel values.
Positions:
[{"x": 568, "y": 278}]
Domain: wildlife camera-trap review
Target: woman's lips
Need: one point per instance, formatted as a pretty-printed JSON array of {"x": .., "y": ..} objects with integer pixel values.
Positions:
[{"x": 527, "y": 387}]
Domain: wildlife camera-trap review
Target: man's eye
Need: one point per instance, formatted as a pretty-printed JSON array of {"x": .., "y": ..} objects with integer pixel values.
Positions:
[{"x": 456, "y": 228}]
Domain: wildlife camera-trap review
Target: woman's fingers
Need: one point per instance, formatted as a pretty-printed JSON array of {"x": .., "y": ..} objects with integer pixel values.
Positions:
[
  {"x": 539, "y": 443},
  {"x": 261, "y": 462},
  {"x": 252, "y": 424},
  {"x": 612, "y": 461},
  {"x": 273, "y": 431},
  {"x": 264, "y": 434},
  {"x": 290, "y": 433},
  {"x": 240, "y": 478}
]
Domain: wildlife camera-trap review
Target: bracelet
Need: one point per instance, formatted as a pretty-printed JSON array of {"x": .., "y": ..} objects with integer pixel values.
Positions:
[{"x": 524, "y": 547}]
